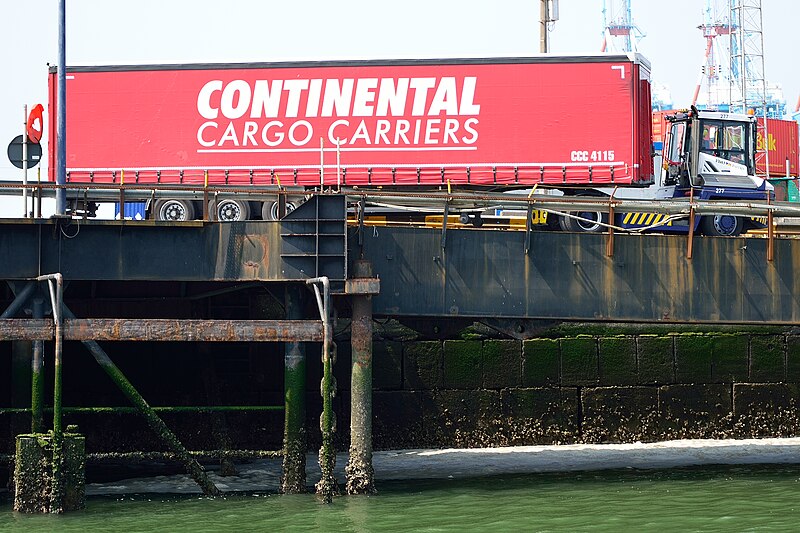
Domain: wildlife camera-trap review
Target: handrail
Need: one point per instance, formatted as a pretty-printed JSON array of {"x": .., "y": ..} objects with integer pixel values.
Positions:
[{"x": 463, "y": 199}]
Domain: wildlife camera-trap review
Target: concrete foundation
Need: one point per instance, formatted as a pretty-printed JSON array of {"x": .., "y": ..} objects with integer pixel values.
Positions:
[{"x": 36, "y": 478}]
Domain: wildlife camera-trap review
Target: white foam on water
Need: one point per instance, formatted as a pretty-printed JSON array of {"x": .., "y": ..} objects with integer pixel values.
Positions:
[{"x": 264, "y": 475}]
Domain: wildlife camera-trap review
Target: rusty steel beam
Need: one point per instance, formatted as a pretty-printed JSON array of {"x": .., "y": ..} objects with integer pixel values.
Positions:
[
  {"x": 103, "y": 329},
  {"x": 26, "y": 329},
  {"x": 113, "y": 329}
]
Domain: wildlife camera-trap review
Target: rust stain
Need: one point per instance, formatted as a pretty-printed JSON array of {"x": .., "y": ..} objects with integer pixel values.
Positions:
[{"x": 259, "y": 246}]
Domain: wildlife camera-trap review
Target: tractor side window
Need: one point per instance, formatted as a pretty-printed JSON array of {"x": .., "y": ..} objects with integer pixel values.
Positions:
[
  {"x": 710, "y": 141},
  {"x": 675, "y": 164},
  {"x": 676, "y": 143}
]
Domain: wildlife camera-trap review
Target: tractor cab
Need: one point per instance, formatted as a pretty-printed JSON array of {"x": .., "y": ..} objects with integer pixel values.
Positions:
[{"x": 712, "y": 149}]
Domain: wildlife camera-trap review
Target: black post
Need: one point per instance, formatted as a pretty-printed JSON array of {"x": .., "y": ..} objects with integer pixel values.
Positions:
[{"x": 61, "y": 106}]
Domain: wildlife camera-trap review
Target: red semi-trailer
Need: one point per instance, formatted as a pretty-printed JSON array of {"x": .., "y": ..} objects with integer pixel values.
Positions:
[{"x": 486, "y": 123}]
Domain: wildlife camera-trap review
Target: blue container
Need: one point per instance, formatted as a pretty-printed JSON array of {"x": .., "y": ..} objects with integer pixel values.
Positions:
[{"x": 133, "y": 211}]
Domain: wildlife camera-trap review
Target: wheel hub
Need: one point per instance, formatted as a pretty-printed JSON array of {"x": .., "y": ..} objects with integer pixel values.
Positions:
[
  {"x": 174, "y": 211},
  {"x": 724, "y": 224},
  {"x": 229, "y": 212}
]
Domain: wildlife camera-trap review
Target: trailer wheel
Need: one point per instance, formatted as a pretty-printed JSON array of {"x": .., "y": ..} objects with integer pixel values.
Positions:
[
  {"x": 173, "y": 210},
  {"x": 269, "y": 210},
  {"x": 229, "y": 210},
  {"x": 722, "y": 225},
  {"x": 592, "y": 222}
]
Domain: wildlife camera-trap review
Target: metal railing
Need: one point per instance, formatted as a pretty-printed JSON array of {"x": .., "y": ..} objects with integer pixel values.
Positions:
[
  {"x": 447, "y": 199},
  {"x": 457, "y": 198}
]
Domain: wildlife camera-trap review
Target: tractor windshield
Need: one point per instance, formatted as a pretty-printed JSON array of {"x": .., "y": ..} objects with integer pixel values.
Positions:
[{"x": 728, "y": 140}]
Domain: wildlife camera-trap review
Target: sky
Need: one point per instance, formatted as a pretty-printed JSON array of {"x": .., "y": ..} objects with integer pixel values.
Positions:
[{"x": 103, "y": 32}]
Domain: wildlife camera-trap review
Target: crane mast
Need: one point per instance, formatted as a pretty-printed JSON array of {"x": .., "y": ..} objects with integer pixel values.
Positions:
[
  {"x": 713, "y": 78},
  {"x": 732, "y": 77},
  {"x": 620, "y": 34}
]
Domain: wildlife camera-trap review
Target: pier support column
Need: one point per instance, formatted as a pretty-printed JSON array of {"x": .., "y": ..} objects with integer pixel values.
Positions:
[
  {"x": 326, "y": 487},
  {"x": 359, "y": 470},
  {"x": 21, "y": 353},
  {"x": 27, "y": 382},
  {"x": 37, "y": 375},
  {"x": 20, "y": 389},
  {"x": 293, "y": 480}
]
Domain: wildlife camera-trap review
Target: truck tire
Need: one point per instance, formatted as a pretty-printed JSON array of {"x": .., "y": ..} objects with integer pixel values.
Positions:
[
  {"x": 173, "y": 210},
  {"x": 721, "y": 225},
  {"x": 269, "y": 210},
  {"x": 229, "y": 210},
  {"x": 475, "y": 219},
  {"x": 593, "y": 223}
]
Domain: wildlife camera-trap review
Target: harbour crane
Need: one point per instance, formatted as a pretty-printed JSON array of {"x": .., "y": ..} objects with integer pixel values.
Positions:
[
  {"x": 732, "y": 77},
  {"x": 620, "y": 34},
  {"x": 714, "y": 73}
]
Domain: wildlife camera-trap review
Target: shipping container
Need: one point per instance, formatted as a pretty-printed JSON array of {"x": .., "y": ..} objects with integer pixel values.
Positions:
[
  {"x": 661, "y": 128},
  {"x": 132, "y": 211},
  {"x": 483, "y": 122},
  {"x": 782, "y": 147}
]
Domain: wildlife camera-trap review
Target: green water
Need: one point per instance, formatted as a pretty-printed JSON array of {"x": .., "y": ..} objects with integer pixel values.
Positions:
[{"x": 722, "y": 499}]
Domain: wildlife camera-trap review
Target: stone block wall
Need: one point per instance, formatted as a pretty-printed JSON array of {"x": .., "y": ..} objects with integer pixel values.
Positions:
[
  {"x": 583, "y": 388},
  {"x": 579, "y": 383}
]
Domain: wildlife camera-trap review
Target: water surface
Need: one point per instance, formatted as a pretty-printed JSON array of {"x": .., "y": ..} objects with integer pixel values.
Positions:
[{"x": 753, "y": 498}]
